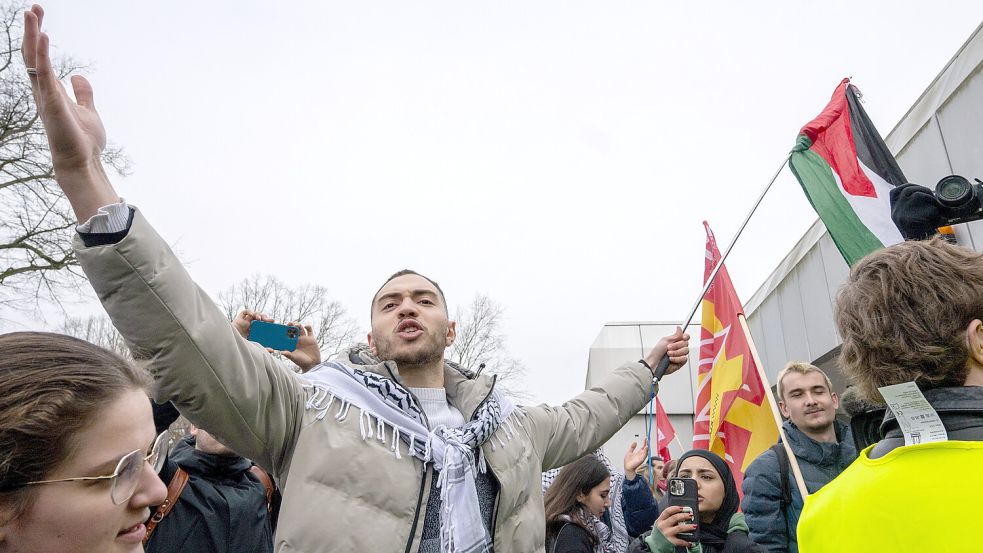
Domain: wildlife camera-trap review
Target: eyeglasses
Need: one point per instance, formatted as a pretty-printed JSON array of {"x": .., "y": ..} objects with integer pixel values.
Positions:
[{"x": 127, "y": 474}]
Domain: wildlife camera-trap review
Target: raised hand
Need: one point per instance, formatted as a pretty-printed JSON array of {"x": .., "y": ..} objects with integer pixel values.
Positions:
[
  {"x": 676, "y": 345},
  {"x": 635, "y": 457},
  {"x": 244, "y": 318},
  {"x": 307, "y": 354},
  {"x": 75, "y": 133}
]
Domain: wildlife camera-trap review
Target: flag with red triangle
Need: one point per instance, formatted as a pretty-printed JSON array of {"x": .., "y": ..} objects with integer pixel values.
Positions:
[
  {"x": 733, "y": 417},
  {"x": 665, "y": 430}
]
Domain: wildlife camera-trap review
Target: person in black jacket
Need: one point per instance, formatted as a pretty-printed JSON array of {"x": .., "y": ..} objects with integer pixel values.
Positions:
[
  {"x": 579, "y": 493},
  {"x": 223, "y": 508}
]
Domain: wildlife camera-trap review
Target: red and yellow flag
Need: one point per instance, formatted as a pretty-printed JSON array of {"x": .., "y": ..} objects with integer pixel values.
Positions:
[{"x": 733, "y": 418}]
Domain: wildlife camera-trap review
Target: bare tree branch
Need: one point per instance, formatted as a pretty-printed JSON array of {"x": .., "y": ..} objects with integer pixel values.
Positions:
[
  {"x": 480, "y": 343},
  {"x": 307, "y": 304},
  {"x": 37, "y": 263},
  {"x": 98, "y": 330}
]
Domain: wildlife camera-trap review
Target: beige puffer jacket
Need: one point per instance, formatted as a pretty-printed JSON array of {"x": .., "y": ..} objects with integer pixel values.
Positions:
[{"x": 340, "y": 493}]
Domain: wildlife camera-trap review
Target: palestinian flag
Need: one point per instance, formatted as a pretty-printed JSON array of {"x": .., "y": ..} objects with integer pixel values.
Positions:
[{"x": 847, "y": 173}]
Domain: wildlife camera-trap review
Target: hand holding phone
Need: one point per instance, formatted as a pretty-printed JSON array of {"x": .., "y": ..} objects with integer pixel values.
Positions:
[
  {"x": 683, "y": 493},
  {"x": 274, "y": 336}
]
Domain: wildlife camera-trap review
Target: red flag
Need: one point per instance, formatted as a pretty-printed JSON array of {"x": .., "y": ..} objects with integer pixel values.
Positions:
[
  {"x": 733, "y": 418},
  {"x": 665, "y": 430}
]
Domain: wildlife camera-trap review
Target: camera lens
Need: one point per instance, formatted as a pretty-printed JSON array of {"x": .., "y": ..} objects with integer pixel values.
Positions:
[{"x": 954, "y": 191}]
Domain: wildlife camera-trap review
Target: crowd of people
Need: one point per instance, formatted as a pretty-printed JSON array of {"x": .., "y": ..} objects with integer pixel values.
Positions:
[{"x": 389, "y": 447}]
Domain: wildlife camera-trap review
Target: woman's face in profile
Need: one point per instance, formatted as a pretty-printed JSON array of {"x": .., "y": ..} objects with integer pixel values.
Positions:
[
  {"x": 598, "y": 498},
  {"x": 80, "y": 516},
  {"x": 710, "y": 487}
]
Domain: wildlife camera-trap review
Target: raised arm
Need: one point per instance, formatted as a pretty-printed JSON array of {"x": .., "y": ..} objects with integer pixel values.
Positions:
[
  {"x": 565, "y": 433},
  {"x": 232, "y": 388},
  {"x": 76, "y": 136}
]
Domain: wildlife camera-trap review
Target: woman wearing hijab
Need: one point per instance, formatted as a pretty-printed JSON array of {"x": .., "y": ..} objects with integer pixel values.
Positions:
[{"x": 722, "y": 528}]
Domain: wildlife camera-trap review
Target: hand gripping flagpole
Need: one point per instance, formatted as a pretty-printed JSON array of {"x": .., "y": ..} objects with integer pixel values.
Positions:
[
  {"x": 660, "y": 370},
  {"x": 664, "y": 363}
]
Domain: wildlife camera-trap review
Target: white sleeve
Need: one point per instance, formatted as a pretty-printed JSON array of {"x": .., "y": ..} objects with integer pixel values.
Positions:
[{"x": 110, "y": 218}]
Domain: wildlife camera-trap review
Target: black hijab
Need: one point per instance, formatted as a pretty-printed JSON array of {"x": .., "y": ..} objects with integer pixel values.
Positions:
[{"x": 715, "y": 531}]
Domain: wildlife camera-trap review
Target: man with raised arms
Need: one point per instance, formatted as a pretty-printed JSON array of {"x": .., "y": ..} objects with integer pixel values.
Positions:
[{"x": 386, "y": 448}]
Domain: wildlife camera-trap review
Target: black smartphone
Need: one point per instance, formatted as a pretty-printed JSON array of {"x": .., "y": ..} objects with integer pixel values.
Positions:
[{"x": 683, "y": 492}]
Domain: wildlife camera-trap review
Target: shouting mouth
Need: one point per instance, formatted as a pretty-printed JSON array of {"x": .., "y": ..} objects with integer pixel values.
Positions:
[{"x": 409, "y": 329}]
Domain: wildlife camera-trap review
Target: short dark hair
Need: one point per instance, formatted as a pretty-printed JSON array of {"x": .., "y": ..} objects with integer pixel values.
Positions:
[
  {"x": 405, "y": 272},
  {"x": 903, "y": 313}
]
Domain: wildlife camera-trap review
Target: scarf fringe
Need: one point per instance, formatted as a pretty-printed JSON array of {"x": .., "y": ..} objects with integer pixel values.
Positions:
[
  {"x": 376, "y": 429},
  {"x": 459, "y": 452},
  {"x": 395, "y": 446}
]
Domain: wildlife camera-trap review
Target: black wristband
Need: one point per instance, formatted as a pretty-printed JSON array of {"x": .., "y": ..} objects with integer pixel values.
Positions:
[{"x": 647, "y": 366}]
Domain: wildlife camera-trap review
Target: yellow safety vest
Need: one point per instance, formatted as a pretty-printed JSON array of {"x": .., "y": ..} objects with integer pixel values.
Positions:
[{"x": 918, "y": 498}]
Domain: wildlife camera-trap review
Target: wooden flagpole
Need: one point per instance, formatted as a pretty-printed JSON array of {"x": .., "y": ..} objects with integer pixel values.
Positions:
[
  {"x": 682, "y": 449},
  {"x": 796, "y": 472}
]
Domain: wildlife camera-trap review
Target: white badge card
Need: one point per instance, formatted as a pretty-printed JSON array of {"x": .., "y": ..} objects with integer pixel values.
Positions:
[{"x": 918, "y": 420}]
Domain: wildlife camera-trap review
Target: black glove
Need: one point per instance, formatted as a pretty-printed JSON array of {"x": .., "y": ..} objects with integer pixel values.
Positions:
[{"x": 916, "y": 211}]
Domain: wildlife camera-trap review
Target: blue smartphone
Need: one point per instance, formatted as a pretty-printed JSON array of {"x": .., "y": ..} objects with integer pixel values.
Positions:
[{"x": 274, "y": 336}]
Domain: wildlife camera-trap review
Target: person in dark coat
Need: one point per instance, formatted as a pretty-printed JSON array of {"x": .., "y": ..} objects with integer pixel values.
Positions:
[
  {"x": 823, "y": 446},
  {"x": 637, "y": 502},
  {"x": 223, "y": 508}
]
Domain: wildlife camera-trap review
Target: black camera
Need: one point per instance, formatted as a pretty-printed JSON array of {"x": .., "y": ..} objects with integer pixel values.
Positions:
[
  {"x": 919, "y": 211},
  {"x": 962, "y": 201}
]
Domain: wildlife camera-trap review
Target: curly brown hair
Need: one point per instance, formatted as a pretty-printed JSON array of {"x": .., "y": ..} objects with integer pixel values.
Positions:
[
  {"x": 903, "y": 313},
  {"x": 51, "y": 387}
]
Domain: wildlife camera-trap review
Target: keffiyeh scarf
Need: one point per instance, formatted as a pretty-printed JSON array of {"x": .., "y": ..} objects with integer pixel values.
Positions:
[
  {"x": 610, "y": 540},
  {"x": 384, "y": 405}
]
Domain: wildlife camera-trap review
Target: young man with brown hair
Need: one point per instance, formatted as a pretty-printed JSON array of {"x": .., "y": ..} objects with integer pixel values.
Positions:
[
  {"x": 822, "y": 445},
  {"x": 910, "y": 313}
]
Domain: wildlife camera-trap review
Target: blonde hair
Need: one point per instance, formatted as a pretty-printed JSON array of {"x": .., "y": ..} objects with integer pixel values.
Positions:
[{"x": 800, "y": 367}]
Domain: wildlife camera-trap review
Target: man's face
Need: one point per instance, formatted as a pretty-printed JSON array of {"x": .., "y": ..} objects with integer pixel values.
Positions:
[
  {"x": 657, "y": 466},
  {"x": 409, "y": 322},
  {"x": 808, "y": 402}
]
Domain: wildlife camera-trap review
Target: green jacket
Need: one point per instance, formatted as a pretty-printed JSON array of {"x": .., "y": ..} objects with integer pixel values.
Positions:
[
  {"x": 659, "y": 544},
  {"x": 340, "y": 492}
]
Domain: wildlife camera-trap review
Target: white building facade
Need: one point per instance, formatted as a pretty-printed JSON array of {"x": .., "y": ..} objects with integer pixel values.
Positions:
[{"x": 791, "y": 314}]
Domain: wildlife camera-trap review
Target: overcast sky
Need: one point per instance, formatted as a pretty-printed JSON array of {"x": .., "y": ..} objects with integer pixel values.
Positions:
[{"x": 558, "y": 156}]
